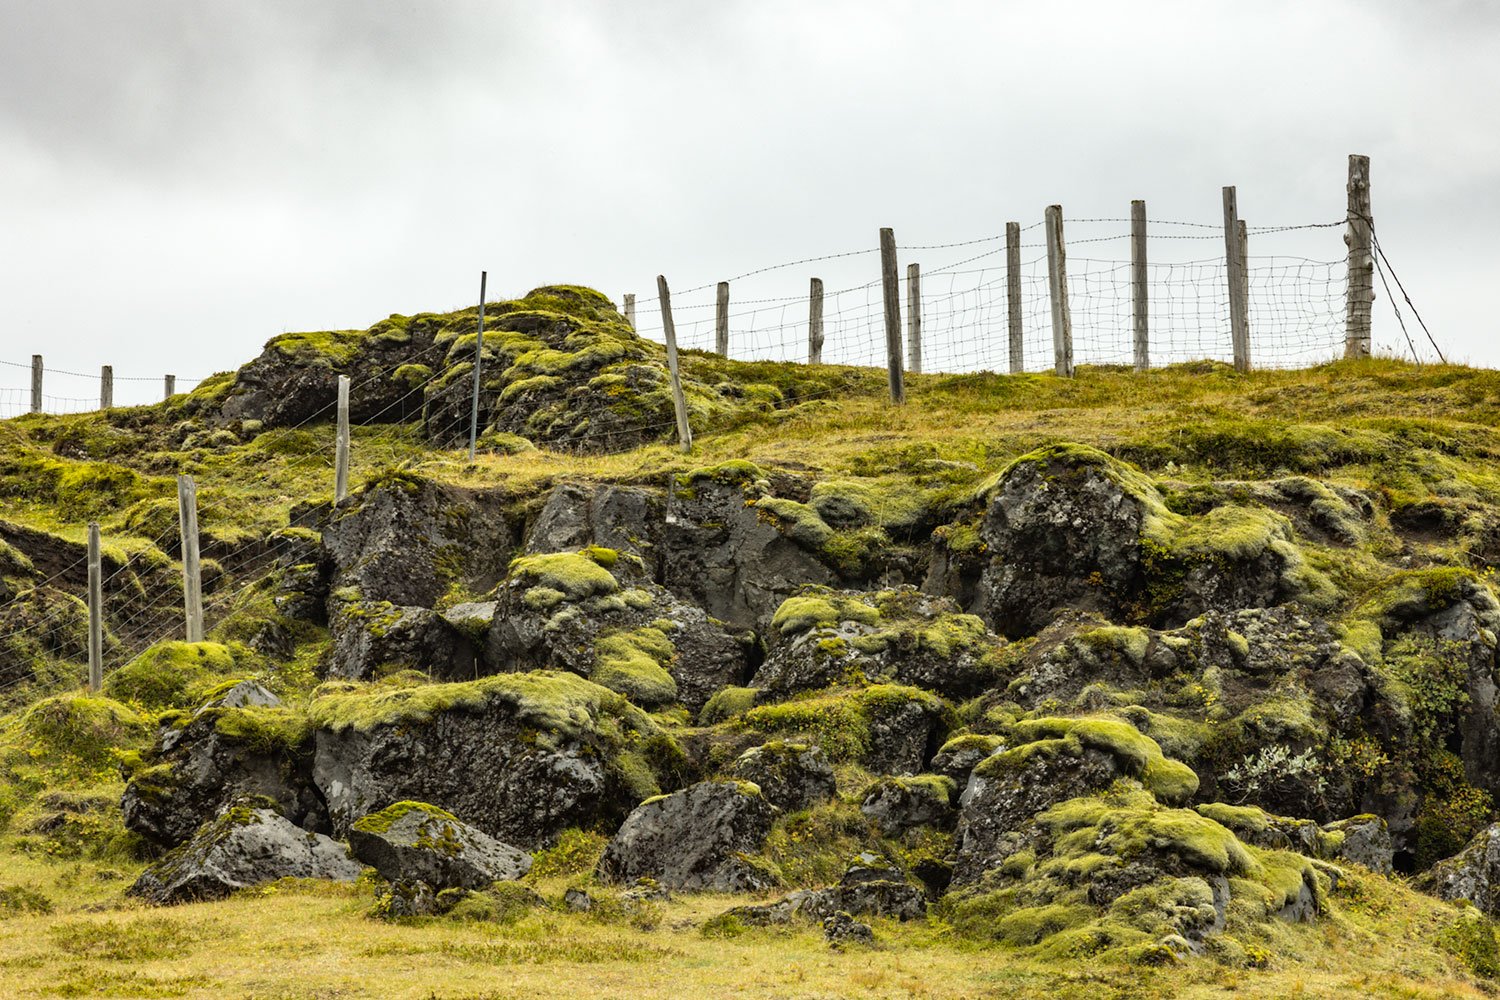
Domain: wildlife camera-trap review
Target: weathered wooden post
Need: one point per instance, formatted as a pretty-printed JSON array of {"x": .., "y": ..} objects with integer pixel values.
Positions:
[
  {"x": 1239, "y": 320},
  {"x": 914, "y": 318},
  {"x": 891, "y": 290},
  {"x": 168, "y": 386},
  {"x": 106, "y": 387},
  {"x": 192, "y": 590},
  {"x": 721, "y": 321},
  {"x": 1357, "y": 237},
  {"x": 36, "y": 383},
  {"x": 630, "y": 309},
  {"x": 1013, "y": 295},
  {"x": 478, "y": 363},
  {"x": 1057, "y": 288},
  {"x": 1139, "y": 306},
  {"x": 341, "y": 445},
  {"x": 679, "y": 402},
  {"x": 96, "y": 611},
  {"x": 815, "y": 322}
]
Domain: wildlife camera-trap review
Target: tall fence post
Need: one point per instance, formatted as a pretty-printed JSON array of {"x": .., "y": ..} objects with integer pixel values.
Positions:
[
  {"x": 192, "y": 590},
  {"x": 1361, "y": 262},
  {"x": 106, "y": 387},
  {"x": 630, "y": 309},
  {"x": 1239, "y": 321},
  {"x": 679, "y": 402},
  {"x": 721, "y": 321},
  {"x": 96, "y": 611},
  {"x": 815, "y": 322},
  {"x": 891, "y": 289},
  {"x": 341, "y": 445},
  {"x": 914, "y": 318},
  {"x": 168, "y": 386},
  {"x": 1139, "y": 283},
  {"x": 1057, "y": 288},
  {"x": 478, "y": 363},
  {"x": 36, "y": 383},
  {"x": 1013, "y": 295}
]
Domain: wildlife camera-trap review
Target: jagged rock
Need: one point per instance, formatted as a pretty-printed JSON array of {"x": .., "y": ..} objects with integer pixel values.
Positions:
[
  {"x": 822, "y": 636},
  {"x": 626, "y": 519},
  {"x": 519, "y": 756},
  {"x": 957, "y": 758},
  {"x": 415, "y": 842},
  {"x": 403, "y": 899},
  {"x": 841, "y": 929},
  {"x": 472, "y": 620},
  {"x": 791, "y": 776},
  {"x": 1365, "y": 840},
  {"x": 219, "y": 755},
  {"x": 1472, "y": 874},
  {"x": 720, "y": 554},
  {"x": 695, "y": 839},
  {"x": 245, "y": 694},
  {"x": 580, "y": 611},
  {"x": 897, "y": 805},
  {"x": 373, "y": 638},
  {"x": 245, "y": 846},
  {"x": 578, "y": 900}
]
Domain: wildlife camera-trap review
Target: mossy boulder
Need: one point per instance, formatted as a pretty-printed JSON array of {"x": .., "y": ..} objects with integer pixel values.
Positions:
[
  {"x": 1472, "y": 875},
  {"x": 376, "y": 638},
  {"x": 888, "y": 728},
  {"x": 522, "y": 757},
  {"x": 792, "y": 776},
  {"x": 626, "y": 519},
  {"x": 245, "y": 845},
  {"x": 701, "y": 838},
  {"x": 898, "y": 805},
  {"x": 416, "y": 842},
  {"x": 171, "y": 674}
]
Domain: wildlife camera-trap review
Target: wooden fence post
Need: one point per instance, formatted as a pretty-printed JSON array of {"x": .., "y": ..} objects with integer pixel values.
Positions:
[
  {"x": 106, "y": 387},
  {"x": 478, "y": 363},
  {"x": 1361, "y": 291},
  {"x": 815, "y": 322},
  {"x": 341, "y": 445},
  {"x": 914, "y": 318},
  {"x": 891, "y": 290},
  {"x": 1242, "y": 234},
  {"x": 679, "y": 402},
  {"x": 1239, "y": 322},
  {"x": 192, "y": 590},
  {"x": 36, "y": 383},
  {"x": 630, "y": 309},
  {"x": 96, "y": 611},
  {"x": 1013, "y": 295},
  {"x": 168, "y": 386},
  {"x": 721, "y": 321},
  {"x": 1057, "y": 288},
  {"x": 1139, "y": 284}
]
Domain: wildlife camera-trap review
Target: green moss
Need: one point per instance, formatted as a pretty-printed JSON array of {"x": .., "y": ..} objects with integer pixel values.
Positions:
[
  {"x": 380, "y": 822},
  {"x": 331, "y": 349},
  {"x": 735, "y": 472},
  {"x": 80, "y": 733},
  {"x": 171, "y": 674},
  {"x": 267, "y": 730},
  {"x": 520, "y": 387},
  {"x": 1472, "y": 940},
  {"x": 840, "y": 721},
  {"x": 575, "y": 575},
  {"x": 821, "y": 607},
  {"x": 411, "y": 377},
  {"x": 1137, "y": 754},
  {"x": 894, "y": 504},
  {"x": 726, "y": 703},
  {"x": 634, "y": 663},
  {"x": 797, "y": 521}
]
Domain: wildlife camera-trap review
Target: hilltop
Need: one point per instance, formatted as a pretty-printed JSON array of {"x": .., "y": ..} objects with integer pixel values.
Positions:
[{"x": 1163, "y": 683}]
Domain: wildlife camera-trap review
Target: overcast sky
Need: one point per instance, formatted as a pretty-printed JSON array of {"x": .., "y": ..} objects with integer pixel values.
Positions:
[{"x": 184, "y": 180}]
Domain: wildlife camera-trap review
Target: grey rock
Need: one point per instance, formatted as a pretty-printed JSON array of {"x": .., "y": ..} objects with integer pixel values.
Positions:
[
  {"x": 372, "y": 638},
  {"x": 695, "y": 839},
  {"x": 959, "y": 756},
  {"x": 1366, "y": 841},
  {"x": 405, "y": 899},
  {"x": 840, "y": 929},
  {"x": 791, "y": 776},
  {"x": 898, "y": 805},
  {"x": 1472, "y": 874},
  {"x": 627, "y": 519},
  {"x": 245, "y": 694},
  {"x": 243, "y": 847},
  {"x": 578, "y": 900},
  {"x": 415, "y": 842},
  {"x": 471, "y": 619}
]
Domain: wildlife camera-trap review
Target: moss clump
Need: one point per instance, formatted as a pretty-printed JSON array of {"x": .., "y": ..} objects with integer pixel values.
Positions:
[
  {"x": 840, "y": 721},
  {"x": 326, "y": 349},
  {"x": 171, "y": 674},
  {"x": 576, "y": 576},
  {"x": 797, "y": 521},
  {"x": 634, "y": 663},
  {"x": 1137, "y": 754},
  {"x": 735, "y": 472},
  {"x": 80, "y": 734},
  {"x": 821, "y": 607},
  {"x": 726, "y": 703},
  {"x": 381, "y": 822}
]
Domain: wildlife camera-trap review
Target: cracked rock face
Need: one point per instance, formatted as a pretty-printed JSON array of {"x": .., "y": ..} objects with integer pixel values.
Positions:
[
  {"x": 415, "y": 842},
  {"x": 695, "y": 839}
]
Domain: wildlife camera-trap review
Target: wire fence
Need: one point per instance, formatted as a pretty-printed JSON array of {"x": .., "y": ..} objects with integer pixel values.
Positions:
[{"x": 78, "y": 392}]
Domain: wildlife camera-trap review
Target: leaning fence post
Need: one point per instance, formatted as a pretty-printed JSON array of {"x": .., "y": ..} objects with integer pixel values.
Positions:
[
  {"x": 815, "y": 322},
  {"x": 96, "y": 611},
  {"x": 721, "y": 321},
  {"x": 1140, "y": 308},
  {"x": 106, "y": 387},
  {"x": 192, "y": 591},
  {"x": 168, "y": 386},
  {"x": 679, "y": 402},
  {"x": 478, "y": 362},
  {"x": 891, "y": 290},
  {"x": 1013, "y": 295},
  {"x": 36, "y": 383},
  {"x": 1057, "y": 288},
  {"x": 914, "y": 318},
  {"x": 630, "y": 309},
  {"x": 1239, "y": 322},
  {"x": 1361, "y": 291},
  {"x": 341, "y": 445}
]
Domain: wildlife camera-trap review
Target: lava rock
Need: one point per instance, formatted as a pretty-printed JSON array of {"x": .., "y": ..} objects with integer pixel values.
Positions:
[
  {"x": 792, "y": 776},
  {"x": 897, "y": 804},
  {"x": 415, "y": 842},
  {"x": 840, "y": 929},
  {"x": 694, "y": 839},
  {"x": 1472, "y": 874}
]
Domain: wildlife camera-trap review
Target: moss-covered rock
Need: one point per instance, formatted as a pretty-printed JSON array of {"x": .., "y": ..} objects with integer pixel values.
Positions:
[
  {"x": 699, "y": 838},
  {"x": 888, "y": 728},
  {"x": 416, "y": 842},
  {"x": 171, "y": 674}
]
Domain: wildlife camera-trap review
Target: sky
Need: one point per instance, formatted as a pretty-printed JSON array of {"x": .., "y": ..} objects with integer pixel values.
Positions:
[{"x": 184, "y": 180}]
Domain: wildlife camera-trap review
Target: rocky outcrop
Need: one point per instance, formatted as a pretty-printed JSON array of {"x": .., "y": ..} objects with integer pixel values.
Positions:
[
  {"x": 246, "y": 845},
  {"x": 626, "y": 519},
  {"x": 375, "y": 638},
  {"x": 1473, "y": 874},
  {"x": 698, "y": 838},
  {"x": 791, "y": 776},
  {"x": 898, "y": 805},
  {"x": 415, "y": 842}
]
